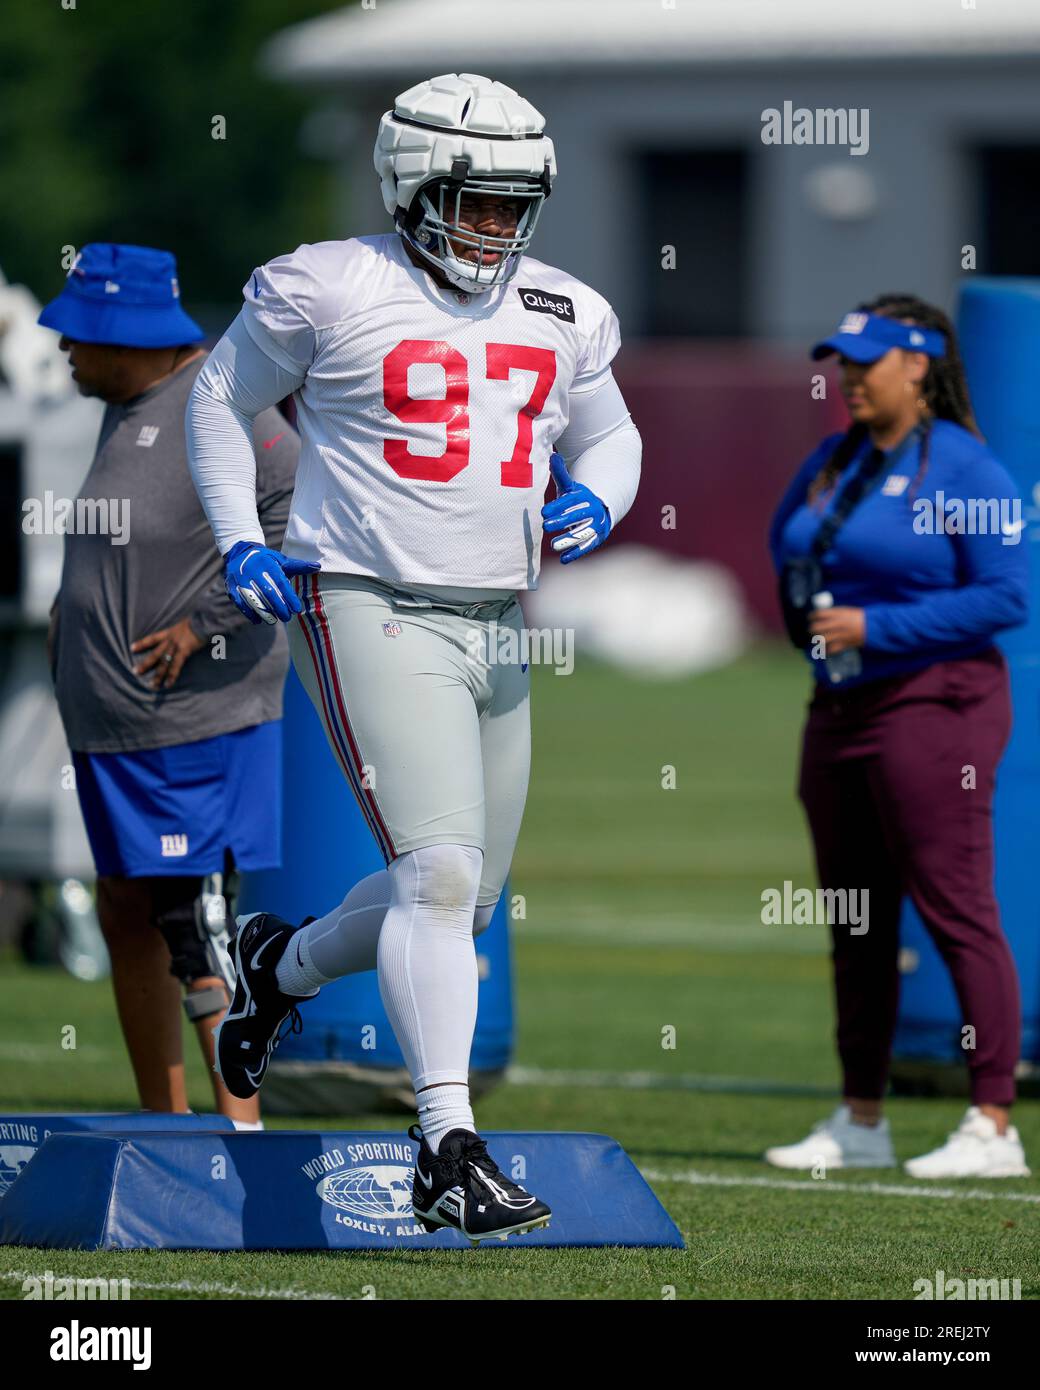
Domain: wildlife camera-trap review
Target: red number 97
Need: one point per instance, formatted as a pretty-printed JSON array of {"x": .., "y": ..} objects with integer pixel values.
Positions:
[{"x": 452, "y": 410}]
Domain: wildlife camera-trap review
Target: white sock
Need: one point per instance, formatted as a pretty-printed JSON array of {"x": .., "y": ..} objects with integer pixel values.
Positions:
[
  {"x": 343, "y": 942},
  {"x": 428, "y": 961},
  {"x": 442, "y": 1109},
  {"x": 247, "y": 1126}
]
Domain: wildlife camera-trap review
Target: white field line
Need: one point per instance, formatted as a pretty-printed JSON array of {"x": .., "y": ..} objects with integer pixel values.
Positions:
[
  {"x": 51, "y": 1052},
  {"x": 660, "y": 1081},
  {"x": 869, "y": 1189},
  {"x": 180, "y": 1286}
]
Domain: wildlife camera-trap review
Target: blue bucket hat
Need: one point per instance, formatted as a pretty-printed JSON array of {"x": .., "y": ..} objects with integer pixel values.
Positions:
[
  {"x": 124, "y": 295},
  {"x": 863, "y": 337}
]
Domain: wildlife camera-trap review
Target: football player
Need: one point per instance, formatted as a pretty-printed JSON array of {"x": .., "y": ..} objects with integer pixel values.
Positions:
[{"x": 435, "y": 370}]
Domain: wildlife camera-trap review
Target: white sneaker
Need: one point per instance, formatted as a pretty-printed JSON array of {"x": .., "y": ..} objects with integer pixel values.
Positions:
[
  {"x": 838, "y": 1143},
  {"x": 974, "y": 1150}
]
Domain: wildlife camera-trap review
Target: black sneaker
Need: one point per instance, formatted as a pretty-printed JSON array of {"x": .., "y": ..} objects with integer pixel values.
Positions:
[
  {"x": 251, "y": 1029},
  {"x": 463, "y": 1187}
]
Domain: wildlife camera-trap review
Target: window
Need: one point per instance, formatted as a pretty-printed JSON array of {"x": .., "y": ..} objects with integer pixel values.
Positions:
[
  {"x": 696, "y": 201},
  {"x": 1008, "y": 184}
]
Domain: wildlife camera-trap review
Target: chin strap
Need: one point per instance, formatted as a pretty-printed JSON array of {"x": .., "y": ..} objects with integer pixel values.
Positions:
[{"x": 409, "y": 237}]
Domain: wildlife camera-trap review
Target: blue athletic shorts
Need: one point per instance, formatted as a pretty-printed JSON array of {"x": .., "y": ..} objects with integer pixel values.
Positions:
[{"x": 164, "y": 812}]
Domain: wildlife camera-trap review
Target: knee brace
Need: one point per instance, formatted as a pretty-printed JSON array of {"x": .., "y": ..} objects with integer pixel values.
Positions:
[
  {"x": 441, "y": 879},
  {"x": 193, "y": 915}
]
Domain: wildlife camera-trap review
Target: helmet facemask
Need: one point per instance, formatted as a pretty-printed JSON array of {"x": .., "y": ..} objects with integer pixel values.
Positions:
[{"x": 433, "y": 223}]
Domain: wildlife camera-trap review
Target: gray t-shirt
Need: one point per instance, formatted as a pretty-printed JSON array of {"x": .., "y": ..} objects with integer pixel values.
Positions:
[{"x": 169, "y": 568}]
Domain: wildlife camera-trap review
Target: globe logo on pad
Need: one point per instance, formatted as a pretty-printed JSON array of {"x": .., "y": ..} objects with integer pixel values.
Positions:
[
  {"x": 13, "y": 1158},
  {"x": 375, "y": 1192}
]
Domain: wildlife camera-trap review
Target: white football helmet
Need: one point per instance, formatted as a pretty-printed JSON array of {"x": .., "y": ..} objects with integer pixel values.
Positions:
[{"x": 458, "y": 134}]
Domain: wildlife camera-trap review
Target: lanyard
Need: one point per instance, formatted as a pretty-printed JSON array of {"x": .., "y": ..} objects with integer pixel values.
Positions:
[{"x": 852, "y": 494}]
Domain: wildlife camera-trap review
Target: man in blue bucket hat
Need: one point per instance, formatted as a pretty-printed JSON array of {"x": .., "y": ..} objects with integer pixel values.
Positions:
[
  {"x": 122, "y": 296},
  {"x": 171, "y": 698}
]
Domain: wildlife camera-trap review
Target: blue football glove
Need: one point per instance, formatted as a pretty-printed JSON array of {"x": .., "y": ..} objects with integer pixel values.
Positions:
[
  {"x": 578, "y": 515},
  {"x": 257, "y": 581}
]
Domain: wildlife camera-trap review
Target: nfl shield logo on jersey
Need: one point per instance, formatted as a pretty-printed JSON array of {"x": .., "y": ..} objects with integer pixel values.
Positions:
[{"x": 392, "y": 629}]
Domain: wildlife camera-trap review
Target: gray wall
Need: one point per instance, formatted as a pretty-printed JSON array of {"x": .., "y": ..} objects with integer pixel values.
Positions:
[{"x": 804, "y": 268}]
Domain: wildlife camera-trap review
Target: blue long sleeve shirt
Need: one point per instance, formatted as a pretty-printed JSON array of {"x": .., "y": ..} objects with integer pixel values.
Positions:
[{"x": 939, "y": 567}]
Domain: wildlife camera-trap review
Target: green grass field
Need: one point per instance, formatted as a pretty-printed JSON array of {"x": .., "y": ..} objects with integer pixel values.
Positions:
[{"x": 642, "y": 915}]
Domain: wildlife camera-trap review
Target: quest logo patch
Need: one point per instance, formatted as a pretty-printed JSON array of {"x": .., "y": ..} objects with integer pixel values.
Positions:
[{"x": 541, "y": 302}]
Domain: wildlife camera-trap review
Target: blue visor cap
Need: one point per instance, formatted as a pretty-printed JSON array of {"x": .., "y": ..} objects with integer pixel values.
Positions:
[
  {"x": 865, "y": 337},
  {"x": 127, "y": 296}
]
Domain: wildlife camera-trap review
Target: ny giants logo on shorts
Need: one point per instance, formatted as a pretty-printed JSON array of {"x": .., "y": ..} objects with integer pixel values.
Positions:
[
  {"x": 541, "y": 303},
  {"x": 173, "y": 846}
]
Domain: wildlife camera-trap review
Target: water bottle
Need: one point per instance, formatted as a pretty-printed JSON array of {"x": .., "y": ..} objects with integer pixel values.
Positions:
[{"x": 846, "y": 664}]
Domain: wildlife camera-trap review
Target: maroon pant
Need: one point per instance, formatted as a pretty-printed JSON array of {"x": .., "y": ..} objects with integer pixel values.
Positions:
[{"x": 885, "y": 781}]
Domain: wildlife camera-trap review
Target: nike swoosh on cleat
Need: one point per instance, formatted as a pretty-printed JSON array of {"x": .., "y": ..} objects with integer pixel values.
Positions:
[
  {"x": 252, "y": 1075},
  {"x": 253, "y": 964},
  {"x": 426, "y": 1182}
]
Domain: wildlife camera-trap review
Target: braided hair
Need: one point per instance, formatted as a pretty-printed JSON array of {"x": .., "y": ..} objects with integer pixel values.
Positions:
[{"x": 944, "y": 390}]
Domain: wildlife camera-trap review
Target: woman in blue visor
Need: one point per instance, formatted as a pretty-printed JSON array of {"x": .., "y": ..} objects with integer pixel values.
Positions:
[{"x": 898, "y": 547}]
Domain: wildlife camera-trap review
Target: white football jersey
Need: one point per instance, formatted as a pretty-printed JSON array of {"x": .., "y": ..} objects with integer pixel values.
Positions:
[{"x": 427, "y": 415}]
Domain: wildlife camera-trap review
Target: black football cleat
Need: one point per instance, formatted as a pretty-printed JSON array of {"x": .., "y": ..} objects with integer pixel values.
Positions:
[
  {"x": 463, "y": 1187},
  {"x": 252, "y": 1027}
]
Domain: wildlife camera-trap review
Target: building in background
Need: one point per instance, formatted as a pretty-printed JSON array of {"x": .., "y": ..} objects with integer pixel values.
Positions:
[{"x": 656, "y": 110}]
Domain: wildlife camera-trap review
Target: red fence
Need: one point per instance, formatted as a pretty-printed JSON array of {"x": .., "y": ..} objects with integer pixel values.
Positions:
[{"x": 724, "y": 428}]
